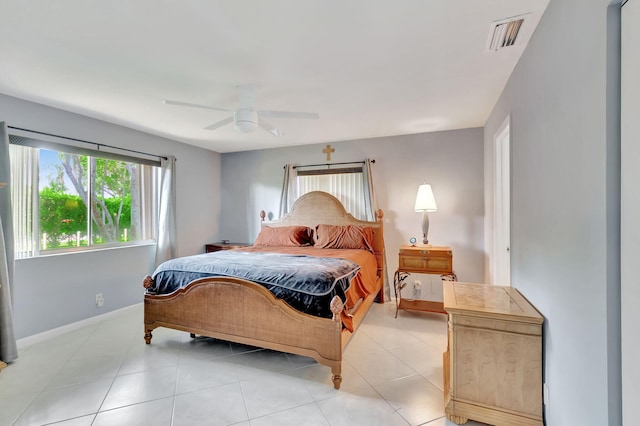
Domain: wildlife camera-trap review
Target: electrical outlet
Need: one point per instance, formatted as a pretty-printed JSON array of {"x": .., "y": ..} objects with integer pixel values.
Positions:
[
  {"x": 417, "y": 289},
  {"x": 545, "y": 394},
  {"x": 99, "y": 300}
]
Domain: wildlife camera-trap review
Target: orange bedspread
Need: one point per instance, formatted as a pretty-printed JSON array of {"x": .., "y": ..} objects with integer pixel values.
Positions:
[{"x": 362, "y": 285}]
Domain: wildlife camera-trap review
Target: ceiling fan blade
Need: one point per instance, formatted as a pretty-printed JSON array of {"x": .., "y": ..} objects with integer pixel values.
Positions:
[
  {"x": 187, "y": 104},
  {"x": 288, "y": 114},
  {"x": 269, "y": 128},
  {"x": 219, "y": 123}
]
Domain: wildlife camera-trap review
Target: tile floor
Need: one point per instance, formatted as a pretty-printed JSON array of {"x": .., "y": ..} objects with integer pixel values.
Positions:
[{"x": 104, "y": 374}]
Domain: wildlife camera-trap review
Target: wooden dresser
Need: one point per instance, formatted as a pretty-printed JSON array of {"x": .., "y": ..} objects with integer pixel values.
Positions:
[{"x": 493, "y": 362}]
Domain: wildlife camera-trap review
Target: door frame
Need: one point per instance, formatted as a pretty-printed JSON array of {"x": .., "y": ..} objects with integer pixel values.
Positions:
[{"x": 502, "y": 205}]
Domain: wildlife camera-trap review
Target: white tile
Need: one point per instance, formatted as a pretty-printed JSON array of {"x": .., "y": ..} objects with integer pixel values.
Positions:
[
  {"x": 365, "y": 339},
  {"x": 360, "y": 410},
  {"x": 306, "y": 415},
  {"x": 380, "y": 367},
  {"x": 87, "y": 370},
  {"x": 104, "y": 346},
  {"x": 143, "y": 357},
  {"x": 317, "y": 379},
  {"x": 152, "y": 413},
  {"x": 390, "y": 336},
  {"x": 141, "y": 387},
  {"x": 416, "y": 399},
  {"x": 78, "y": 421},
  {"x": 204, "y": 348},
  {"x": 222, "y": 405},
  {"x": 23, "y": 376},
  {"x": 266, "y": 360},
  {"x": 442, "y": 421},
  {"x": 198, "y": 375},
  {"x": 297, "y": 361},
  {"x": 273, "y": 392},
  {"x": 65, "y": 402},
  {"x": 420, "y": 356},
  {"x": 12, "y": 406},
  {"x": 239, "y": 348},
  {"x": 391, "y": 368}
]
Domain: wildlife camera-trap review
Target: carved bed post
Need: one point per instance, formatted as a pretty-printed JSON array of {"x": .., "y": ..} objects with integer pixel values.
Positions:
[
  {"x": 147, "y": 336},
  {"x": 336, "y": 307}
]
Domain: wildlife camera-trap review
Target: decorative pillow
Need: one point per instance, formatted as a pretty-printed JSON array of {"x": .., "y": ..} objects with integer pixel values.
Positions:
[
  {"x": 285, "y": 236},
  {"x": 344, "y": 237}
]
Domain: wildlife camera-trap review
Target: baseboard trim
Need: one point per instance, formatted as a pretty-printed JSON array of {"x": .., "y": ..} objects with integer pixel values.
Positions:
[{"x": 55, "y": 332}]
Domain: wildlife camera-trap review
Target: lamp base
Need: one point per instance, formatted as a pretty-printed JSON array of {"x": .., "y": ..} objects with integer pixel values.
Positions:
[{"x": 425, "y": 227}]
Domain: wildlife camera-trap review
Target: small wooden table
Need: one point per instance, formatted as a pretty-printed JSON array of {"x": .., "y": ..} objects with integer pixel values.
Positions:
[
  {"x": 422, "y": 259},
  {"x": 223, "y": 245}
]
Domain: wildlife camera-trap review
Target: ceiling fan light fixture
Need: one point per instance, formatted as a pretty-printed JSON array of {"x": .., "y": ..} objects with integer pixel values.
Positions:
[{"x": 246, "y": 120}]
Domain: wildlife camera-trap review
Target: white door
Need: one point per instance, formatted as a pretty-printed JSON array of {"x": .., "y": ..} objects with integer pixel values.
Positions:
[{"x": 502, "y": 208}]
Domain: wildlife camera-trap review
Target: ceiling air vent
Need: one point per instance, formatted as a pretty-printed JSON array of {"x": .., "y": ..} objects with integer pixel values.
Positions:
[{"x": 504, "y": 33}]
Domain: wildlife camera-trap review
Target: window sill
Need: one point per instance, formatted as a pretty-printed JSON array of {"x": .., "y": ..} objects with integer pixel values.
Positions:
[{"x": 92, "y": 249}]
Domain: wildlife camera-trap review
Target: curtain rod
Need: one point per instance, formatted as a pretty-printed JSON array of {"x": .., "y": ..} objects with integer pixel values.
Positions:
[
  {"x": 87, "y": 142},
  {"x": 334, "y": 164}
]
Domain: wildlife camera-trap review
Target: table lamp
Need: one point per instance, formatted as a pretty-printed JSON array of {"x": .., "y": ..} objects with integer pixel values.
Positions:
[{"x": 425, "y": 203}]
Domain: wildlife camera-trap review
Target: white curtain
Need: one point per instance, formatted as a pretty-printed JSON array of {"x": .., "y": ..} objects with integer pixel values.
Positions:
[
  {"x": 370, "y": 202},
  {"x": 8, "y": 347},
  {"x": 371, "y": 207},
  {"x": 289, "y": 189},
  {"x": 167, "y": 244},
  {"x": 24, "y": 200}
]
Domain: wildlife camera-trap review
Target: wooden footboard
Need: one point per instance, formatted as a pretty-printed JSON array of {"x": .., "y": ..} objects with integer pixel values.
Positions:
[{"x": 210, "y": 307}]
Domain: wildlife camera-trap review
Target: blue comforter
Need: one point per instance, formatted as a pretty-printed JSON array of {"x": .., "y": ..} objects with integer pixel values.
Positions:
[{"x": 307, "y": 283}]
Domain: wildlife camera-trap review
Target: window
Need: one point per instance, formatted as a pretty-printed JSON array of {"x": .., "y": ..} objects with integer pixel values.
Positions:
[
  {"x": 67, "y": 198},
  {"x": 346, "y": 184}
]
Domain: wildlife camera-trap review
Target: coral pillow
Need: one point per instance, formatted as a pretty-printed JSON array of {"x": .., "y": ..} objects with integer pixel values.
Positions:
[
  {"x": 344, "y": 237},
  {"x": 285, "y": 236}
]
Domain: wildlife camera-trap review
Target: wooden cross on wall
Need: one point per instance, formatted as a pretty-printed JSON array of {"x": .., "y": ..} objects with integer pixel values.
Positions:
[{"x": 328, "y": 150}]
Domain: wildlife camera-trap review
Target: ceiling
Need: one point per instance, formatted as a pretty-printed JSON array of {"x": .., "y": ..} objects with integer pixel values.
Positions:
[{"x": 369, "y": 68}]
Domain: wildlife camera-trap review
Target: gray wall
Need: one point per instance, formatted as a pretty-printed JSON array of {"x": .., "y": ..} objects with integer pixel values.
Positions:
[
  {"x": 52, "y": 291},
  {"x": 563, "y": 98},
  {"x": 630, "y": 230},
  {"x": 452, "y": 162}
]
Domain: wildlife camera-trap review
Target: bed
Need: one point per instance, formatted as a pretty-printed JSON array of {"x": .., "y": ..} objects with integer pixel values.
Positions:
[{"x": 241, "y": 310}]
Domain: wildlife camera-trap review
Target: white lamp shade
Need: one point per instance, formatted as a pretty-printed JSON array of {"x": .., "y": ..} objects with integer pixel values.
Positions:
[{"x": 425, "y": 202}]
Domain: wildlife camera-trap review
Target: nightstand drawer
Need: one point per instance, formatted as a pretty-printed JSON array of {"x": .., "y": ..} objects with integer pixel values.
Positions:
[{"x": 434, "y": 260}]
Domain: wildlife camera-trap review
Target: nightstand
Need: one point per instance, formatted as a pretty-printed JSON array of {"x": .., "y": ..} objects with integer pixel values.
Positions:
[
  {"x": 224, "y": 245},
  {"x": 422, "y": 259}
]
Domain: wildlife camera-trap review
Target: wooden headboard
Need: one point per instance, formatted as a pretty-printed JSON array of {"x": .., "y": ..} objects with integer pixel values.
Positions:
[{"x": 317, "y": 207}]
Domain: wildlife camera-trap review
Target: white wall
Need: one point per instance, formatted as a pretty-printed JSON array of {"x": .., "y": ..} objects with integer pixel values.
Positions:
[
  {"x": 53, "y": 291},
  {"x": 450, "y": 161},
  {"x": 563, "y": 98},
  {"x": 629, "y": 228}
]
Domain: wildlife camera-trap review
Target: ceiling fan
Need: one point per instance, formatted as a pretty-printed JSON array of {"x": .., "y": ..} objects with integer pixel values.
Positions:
[{"x": 245, "y": 118}]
